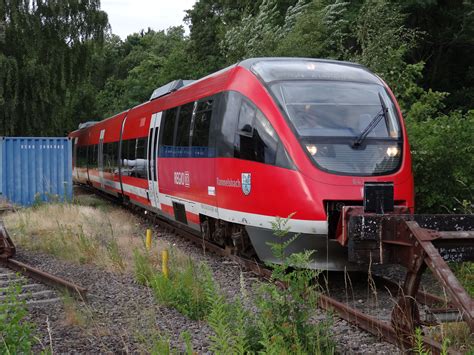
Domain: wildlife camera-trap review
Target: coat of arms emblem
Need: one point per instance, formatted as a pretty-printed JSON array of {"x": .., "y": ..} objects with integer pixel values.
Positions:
[{"x": 246, "y": 183}]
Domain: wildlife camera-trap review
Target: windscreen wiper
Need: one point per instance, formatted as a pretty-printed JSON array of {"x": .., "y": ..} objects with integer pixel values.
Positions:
[{"x": 375, "y": 121}]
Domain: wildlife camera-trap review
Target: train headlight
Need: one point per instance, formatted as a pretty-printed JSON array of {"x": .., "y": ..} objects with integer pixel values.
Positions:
[
  {"x": 392, "y": 151},
  {"x": 312, "y": 149},
  {"x": 311, "y": 66}
]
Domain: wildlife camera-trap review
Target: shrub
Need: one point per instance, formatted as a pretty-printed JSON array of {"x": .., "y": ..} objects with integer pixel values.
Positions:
[{"x": 443, "y": 162}]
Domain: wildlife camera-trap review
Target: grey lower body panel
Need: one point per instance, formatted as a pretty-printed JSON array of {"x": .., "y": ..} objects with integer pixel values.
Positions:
[{"x": 328, "y": 253}]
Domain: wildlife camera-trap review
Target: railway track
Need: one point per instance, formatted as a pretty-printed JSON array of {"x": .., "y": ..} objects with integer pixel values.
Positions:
[
  {"x": 31, "y": 292},
  {"x": 36, "y": 285},
  {"x": 439, "y": 308}
]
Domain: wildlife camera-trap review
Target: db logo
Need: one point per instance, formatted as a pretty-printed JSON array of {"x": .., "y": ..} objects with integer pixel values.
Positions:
[{"x": 181, "y": 178}]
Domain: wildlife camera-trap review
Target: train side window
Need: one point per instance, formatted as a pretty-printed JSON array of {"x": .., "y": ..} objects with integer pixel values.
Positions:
[
  {"x": 255, "y": 138},
  {"x": 94, "y": 155},
  {"x": 183, "y": 130},
  {"x": 78, "y": 157},
  {"x": 115, "y": 157},
  {"x": 246, "y": 117},
  {"x": 140, "y": 158},
  {"x": 266, "y": 140},
  {"x": 168, "y": 126},
  {"x": 90, "y": 157},
  {"x": 107, "y": 157},
  {"x": 228, "y": 117},
  {"x": 123, "y": 152},
  {"x": 125, "y": 157},
  {"x": 167, "y": 133},
  {"x": 201, "y": 128}
]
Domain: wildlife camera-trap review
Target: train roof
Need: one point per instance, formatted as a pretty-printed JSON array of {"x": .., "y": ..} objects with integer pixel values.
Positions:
[
  {"x": 248, "y": 63},
  {"x": 287, "y": 68},
  {"x": 269, "y": 69}
]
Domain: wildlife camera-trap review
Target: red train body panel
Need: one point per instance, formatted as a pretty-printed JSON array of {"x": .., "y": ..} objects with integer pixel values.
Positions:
[{"x": 225, "y": 155}]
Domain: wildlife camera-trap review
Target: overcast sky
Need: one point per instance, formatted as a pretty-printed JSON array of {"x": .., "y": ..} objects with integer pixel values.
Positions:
[{"x": 129, "y": 16}]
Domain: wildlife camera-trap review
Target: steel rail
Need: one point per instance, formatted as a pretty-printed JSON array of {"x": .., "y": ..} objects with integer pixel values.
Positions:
[
  {"x": 8, "y": 250},
  {"x": 74, "y": 290},
  {"x": 374, "y": 326}
]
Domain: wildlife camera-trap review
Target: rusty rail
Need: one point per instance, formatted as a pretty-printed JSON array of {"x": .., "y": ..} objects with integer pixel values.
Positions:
[
  {"x": 376, "y": 327},
  {"x": 421, "y": 254},
  {"x": 416, "y": 242},
  {"x": 8, "y": 250},
  {"x": 74, "y": 290}
]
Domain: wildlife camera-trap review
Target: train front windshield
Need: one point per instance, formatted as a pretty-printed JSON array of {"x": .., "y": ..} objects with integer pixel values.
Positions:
[{"x": 342, "y": 115}]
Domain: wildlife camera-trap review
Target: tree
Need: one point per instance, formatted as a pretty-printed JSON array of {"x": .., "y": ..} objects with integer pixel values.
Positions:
[{"x": 45, "y": 51}]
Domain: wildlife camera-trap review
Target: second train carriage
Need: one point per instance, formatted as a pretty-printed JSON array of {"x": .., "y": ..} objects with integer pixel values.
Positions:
[{"x": 224, "y": 155}]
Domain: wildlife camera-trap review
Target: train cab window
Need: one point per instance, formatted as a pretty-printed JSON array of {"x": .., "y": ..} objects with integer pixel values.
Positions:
[
  {"x": 183, "y": 130},
  {"x": 201, "y": 129}
]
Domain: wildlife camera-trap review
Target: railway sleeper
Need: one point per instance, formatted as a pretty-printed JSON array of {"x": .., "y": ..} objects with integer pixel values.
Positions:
[{"x": 7, "y": 252}]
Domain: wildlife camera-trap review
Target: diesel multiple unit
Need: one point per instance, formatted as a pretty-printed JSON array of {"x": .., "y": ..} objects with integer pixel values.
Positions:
[{"x": 225, "y": 155}]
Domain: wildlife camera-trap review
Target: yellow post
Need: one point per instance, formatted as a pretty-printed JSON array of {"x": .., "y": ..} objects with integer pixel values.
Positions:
[
  {"x": 148, "y": 239},
  {"x": 164, "y": 261}
]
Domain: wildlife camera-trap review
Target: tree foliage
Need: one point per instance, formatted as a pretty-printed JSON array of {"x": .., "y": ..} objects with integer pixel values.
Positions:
[{"x": 45, "y": 55}]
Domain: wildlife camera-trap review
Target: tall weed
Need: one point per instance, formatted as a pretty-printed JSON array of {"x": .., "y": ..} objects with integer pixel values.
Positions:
[
  {"x": 282, "y": 321},
  {"x": 186, "y": 290}
]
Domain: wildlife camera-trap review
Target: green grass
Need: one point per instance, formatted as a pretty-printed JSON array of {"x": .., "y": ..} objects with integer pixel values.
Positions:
[
  {"x": 16, "y": 334},
  {"x": 465, "y": 274},
  {"x": 187, "y": 288}
]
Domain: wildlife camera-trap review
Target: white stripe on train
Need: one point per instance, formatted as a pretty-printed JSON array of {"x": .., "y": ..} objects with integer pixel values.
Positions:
[{"x": 245, "y": 218}]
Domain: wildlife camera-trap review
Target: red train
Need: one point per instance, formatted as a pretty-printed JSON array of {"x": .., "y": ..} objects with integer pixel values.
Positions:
[{"x": 226, "y": 154}]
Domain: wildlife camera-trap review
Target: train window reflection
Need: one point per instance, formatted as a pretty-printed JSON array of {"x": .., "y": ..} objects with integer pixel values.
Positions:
[{"x": 336, "y": 109}]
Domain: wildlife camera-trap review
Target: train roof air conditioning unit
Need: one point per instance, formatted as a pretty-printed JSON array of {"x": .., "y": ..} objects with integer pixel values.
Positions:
[
  {"x": 87, "y": 124},
  {"x": 170, "y": 87}
]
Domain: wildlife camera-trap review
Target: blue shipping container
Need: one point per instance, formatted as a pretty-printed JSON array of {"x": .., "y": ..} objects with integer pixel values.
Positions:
[{"x": 35, "y": 169}]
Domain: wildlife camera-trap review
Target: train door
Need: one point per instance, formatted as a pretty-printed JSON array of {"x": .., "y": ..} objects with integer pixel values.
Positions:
[
  {"x": 76, "y": 172},
  {"x": 101, "y": 158},
  {"x": 90, "y": 156},
  {"x": 121, "y": 154},
  {"x": 152, "y": 155}
]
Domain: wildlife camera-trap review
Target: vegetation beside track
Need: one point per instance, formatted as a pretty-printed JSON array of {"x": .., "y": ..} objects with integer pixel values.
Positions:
[
  {"x": 16, "y": 333},
  {"x": 89, "y": 230},
  {"x": 265, "y": 319}
]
